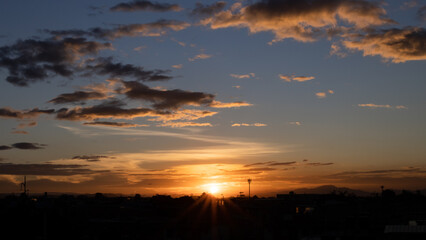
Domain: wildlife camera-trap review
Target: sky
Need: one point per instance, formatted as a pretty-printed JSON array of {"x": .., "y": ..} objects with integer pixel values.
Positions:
[{"x": 187, "y": 97}]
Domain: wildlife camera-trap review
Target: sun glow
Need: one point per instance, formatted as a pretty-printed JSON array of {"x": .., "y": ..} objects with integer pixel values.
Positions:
[{"x": 213, "y": 188}]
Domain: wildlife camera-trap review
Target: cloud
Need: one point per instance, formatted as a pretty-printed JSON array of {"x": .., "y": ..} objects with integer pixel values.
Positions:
[
  {"x": 184, "y": 124},
  {"x": 249, "y": 125},
  {"x": 11, "y": 113},
  {"x": 177, "y": 66},
  {"x": 200, "y": 56},
  {"x": 373, "y": 106},
  {"x": 110, "y": 109},
  {"x": 4, "y": 147},
  {"x": 335, "y": 49},
  {"x": 218, "y": 104},
  {"x": 317, "y": 164},
  {"x": 45, "y": 169},
  {"x": 90, "y": 158},
  {"x": 25, "y": 125},
  {"x": 396, "y": 45},
  {"x": 153, "y": 29},
  {"x": 115, "y": 124},
  {"x": 324, "y": 94},
  {"x": 303, "y": 20},
  {"x": 165, "y": 99},
  {"x": 271, "y": 163},
  {"x": 282, "y": 163},
  {"x": 105, "y": 66},
  {"x": 241, "y": 76},
  {"x": 78, "y": 96},
  {"x": 113, "y": 109},
  {"x": 23, "y": 146},
  {"x": 28, "y": 146},
  {"x": 145, "y": 6},
  {"x": 31, "y": 60},
  {"x": 295, "y": 78},
  {"x": 201, "y": 10},
  {"x": 321, "y": 94},
  {"x": 184, "y": 114},
  {"x": 19, "y": 132}
]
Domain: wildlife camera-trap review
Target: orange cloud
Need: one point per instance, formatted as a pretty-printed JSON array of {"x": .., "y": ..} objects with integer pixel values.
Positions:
[
  {"x": 295, "y": 78},
  {"x": 218, "y": 104},
  {"x": 184, "y": 124},
  {"x": 301, "y": 20},
  {"x": 396, "y": 45}
]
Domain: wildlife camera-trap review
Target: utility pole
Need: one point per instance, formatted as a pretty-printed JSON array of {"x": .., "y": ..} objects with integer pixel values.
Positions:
[
  {"x": 249, "y": 182},
  {"x": 24, "y": 186}
]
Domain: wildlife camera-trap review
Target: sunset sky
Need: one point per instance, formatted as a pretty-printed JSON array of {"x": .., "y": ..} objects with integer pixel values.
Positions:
[{"x": 186, "y": 97}]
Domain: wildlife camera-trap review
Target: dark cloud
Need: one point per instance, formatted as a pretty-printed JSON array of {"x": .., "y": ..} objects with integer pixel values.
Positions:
[
  {"x": 23, "y": 146},
  {"x": 397, "y": 45},
  {"x": 282, "y": 164},
  {"x": 45, "y": 169},
  {"x": 90, "y": 158},
  {"x": 28, "y": 146},
  {"x": 202, "y": 10},
  {"x": 78, "y": 96},
  {"x": 11, "y": 113},
  {"x": 145, "y": 6},
  {"x": 105, "y": 66},
  {"x": 165, "y": 99},
  {"x": 4, "y": 147},
  {"x": 315, "y": 164},
  {"x": 271, "y": 163},
  {"x": 114, "y": 124},
  {"x": 153, "y": 29},
  {"x": 421, "y": 13},
  {"x": 109, "y": 109},
  {"x": 32, "y": 60},
  {"x": 258, "y": 163}
]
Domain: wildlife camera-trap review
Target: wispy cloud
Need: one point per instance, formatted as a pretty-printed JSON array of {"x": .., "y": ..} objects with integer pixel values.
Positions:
[
  {"x": 184, "y": 124},
  {"x": 249, "y": 125},
  {"x": 177, "y": 66},
  {"x": 295, "y": 78},
  {"x": 373, "y": 106},
  {"x": 324, "y": 94},
  {"x": 241, "y": 76},
  {"x": 200, "y": 56}
]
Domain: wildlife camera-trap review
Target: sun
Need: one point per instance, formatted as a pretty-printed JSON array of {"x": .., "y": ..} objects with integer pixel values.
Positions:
[{"x": 213, "y": 188}]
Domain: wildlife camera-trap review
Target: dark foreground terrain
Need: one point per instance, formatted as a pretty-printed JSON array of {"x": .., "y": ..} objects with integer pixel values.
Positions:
[{"x": 288, "y": 216}]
